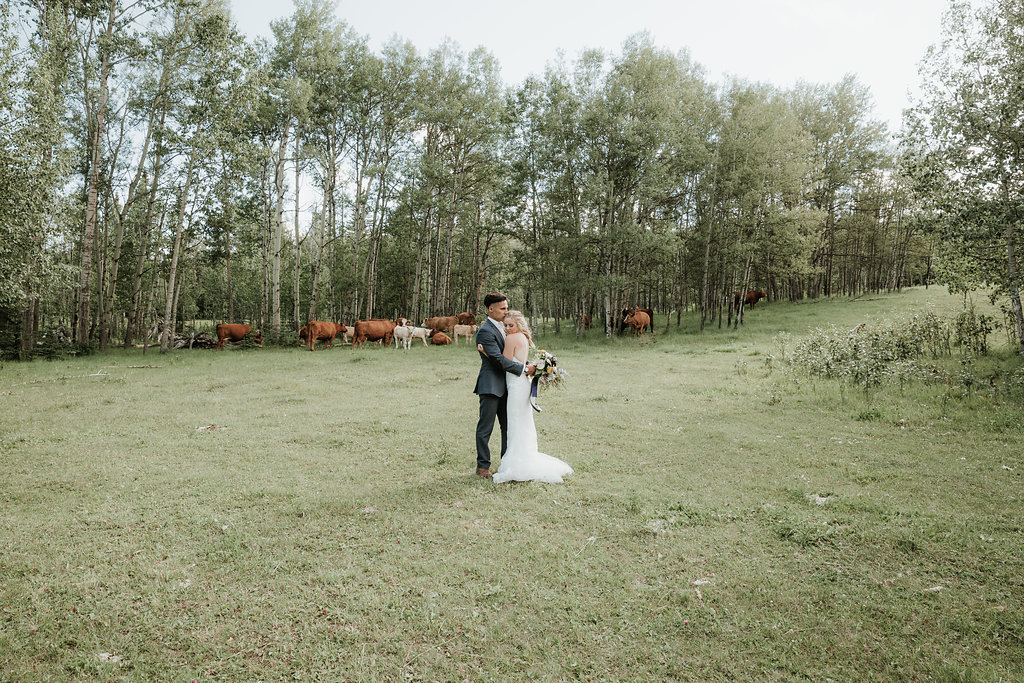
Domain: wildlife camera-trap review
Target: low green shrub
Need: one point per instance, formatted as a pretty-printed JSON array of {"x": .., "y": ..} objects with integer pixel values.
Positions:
[{"x": 891, "y": 353}]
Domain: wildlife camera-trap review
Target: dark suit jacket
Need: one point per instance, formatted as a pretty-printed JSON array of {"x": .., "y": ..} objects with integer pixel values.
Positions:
[{"x": 493, "y": 366}]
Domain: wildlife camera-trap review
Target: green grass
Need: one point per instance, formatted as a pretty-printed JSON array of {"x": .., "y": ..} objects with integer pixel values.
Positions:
[{"x": 724, "y": 522}]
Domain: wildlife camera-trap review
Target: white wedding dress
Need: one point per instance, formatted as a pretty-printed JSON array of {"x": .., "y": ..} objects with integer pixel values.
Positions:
[{"x": 522, "y": 461}]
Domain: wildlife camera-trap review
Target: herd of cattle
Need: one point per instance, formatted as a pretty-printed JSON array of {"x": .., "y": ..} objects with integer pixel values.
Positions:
[{"x": 439, "y": 330}]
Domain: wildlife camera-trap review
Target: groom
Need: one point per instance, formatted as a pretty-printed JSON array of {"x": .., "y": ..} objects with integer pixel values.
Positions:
[{"x": 490, "y": 383}]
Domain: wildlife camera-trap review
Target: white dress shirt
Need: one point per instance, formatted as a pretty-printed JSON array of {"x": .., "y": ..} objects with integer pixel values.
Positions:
[{"x": 501, "y": 328}]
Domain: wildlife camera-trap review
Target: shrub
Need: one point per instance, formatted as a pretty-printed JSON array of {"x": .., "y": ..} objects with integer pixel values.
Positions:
[{"x": 889, "y": 353}]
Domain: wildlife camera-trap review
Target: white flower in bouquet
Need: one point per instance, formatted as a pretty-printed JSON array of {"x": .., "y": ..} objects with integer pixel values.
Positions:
[{"x": 548, "y": 372}]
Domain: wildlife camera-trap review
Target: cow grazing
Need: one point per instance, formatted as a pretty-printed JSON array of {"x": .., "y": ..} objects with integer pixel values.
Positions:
[
  {"x": 466, "y": 331},
  {"x": 586, "y": 322},
  {"x": 234, "y": 332},
  {"x": 639, "y": 320},
  {"x": 752, "y": 297},
  {"x": 345, "y": 331},
  {"x": 466, "y": 318},
  {"x": 443, "y": 323},
  {"x": 440, "y": 339},
  {"x": 317, "y": 330},
  {"x": 373, "y": 330}
]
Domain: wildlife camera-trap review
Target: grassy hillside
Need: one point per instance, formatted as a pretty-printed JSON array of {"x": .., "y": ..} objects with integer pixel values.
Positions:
[{"x": 281, "y": 514}]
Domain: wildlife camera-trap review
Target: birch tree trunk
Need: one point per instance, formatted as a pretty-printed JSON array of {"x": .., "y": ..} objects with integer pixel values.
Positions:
[
  {"x": 318, "y": 250},
  {"x": 95, "y": 146},
  {"x": 167, "y": 336},
  {"x": 1013, "y": 269},
  {"x": 275, "y": 284},
  {"x": 298, "y": 242}
]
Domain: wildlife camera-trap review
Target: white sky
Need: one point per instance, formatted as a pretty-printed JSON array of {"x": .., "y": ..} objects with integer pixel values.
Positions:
[{"x": 777, "y": 41}]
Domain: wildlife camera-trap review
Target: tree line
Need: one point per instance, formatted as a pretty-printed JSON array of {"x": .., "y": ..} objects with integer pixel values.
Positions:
[{"x": 159, "y": 168}]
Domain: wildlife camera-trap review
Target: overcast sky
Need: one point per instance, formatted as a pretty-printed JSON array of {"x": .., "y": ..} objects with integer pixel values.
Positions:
[{"x": 778, "y": 41}]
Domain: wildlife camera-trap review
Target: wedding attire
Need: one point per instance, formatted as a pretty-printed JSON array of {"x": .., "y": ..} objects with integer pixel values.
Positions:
[
  {"x": 520, "y": 459},
  {"x": 491, "y": 388}
]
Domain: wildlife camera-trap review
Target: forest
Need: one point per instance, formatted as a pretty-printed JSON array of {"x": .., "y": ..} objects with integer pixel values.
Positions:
[{"x": 160, "y": 171}]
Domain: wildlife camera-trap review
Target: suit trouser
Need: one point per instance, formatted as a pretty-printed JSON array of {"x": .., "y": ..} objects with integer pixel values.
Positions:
[{"x": 491, "y": 406}]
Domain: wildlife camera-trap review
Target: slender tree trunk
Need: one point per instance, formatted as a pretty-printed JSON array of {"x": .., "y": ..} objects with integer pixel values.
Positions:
[
  {"x": 148, "y": 313},
  {"x": 298, "y": 242},
  {"x": 417, "y": 278},
  {"x": 318, "y": 249},
  {"x": 1013, "y": 269},
  {"x": 96, "y": 128},
  {"x": 278, "y": 233},
  {"x": 266, "y": 238},
  {"x": 175, "y": 310},
  {"x": 140, "y": 262},
  {"x": 376, "y": 236},
  {"x": 167, "y": 337}
]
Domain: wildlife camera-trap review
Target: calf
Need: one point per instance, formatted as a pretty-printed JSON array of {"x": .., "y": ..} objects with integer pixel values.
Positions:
[
  {"x": 421, "y": 333},
  {"x": 466, "y": 331},
  {"x": 440, "y": 339},
  {"x": 639, "y": 320},
  {"x": 407, "y": 333}
]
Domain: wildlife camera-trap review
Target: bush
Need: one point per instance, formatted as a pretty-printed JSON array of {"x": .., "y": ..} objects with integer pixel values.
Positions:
[
  {"x": 972, "y": 330},
  {"x": 284, "y": 338},
  {"x": 891, "y": 353}
]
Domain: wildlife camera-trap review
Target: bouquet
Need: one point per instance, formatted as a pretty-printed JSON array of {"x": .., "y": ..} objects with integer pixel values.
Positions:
[{"x": 548, "y": 374}]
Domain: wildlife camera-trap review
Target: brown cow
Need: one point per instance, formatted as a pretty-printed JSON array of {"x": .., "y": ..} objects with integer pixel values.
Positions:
[
  {"x": 639, "y": 320},
  {"x": 234, "y": 332},
  {"x": 752, "y": 297},
  {"x": 321, "y": 331},
  {"x": 626, "y": 312},
  {"x": 373, "y": 330},
  {"x": 442, "y": 323},
  {"x": 466, "y": 318},
  {"x": 440, "y": 339}
]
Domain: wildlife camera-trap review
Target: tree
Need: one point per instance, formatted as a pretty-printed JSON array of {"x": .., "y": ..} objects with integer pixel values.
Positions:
[
  {"x": 965, "y": 139},
  {"x": 34, "y": 162},
  {"x": 847, "y": 144}
]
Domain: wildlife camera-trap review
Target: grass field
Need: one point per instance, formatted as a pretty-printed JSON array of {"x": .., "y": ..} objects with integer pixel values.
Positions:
[{"x": 724, "y": 522}]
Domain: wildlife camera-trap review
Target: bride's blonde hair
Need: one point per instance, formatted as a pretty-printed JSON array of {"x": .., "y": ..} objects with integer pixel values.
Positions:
[{"x": 520, "y": 320}]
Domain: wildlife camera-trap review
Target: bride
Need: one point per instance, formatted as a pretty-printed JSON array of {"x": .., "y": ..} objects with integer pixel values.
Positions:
[{"x": 521, "y": 460}]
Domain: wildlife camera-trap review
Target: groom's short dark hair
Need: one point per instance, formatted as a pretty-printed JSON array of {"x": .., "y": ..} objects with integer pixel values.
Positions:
[{"x": 493, "y": 298}]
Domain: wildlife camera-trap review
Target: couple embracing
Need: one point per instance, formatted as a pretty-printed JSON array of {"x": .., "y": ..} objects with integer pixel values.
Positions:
[{"x": 503, "y": 385}]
